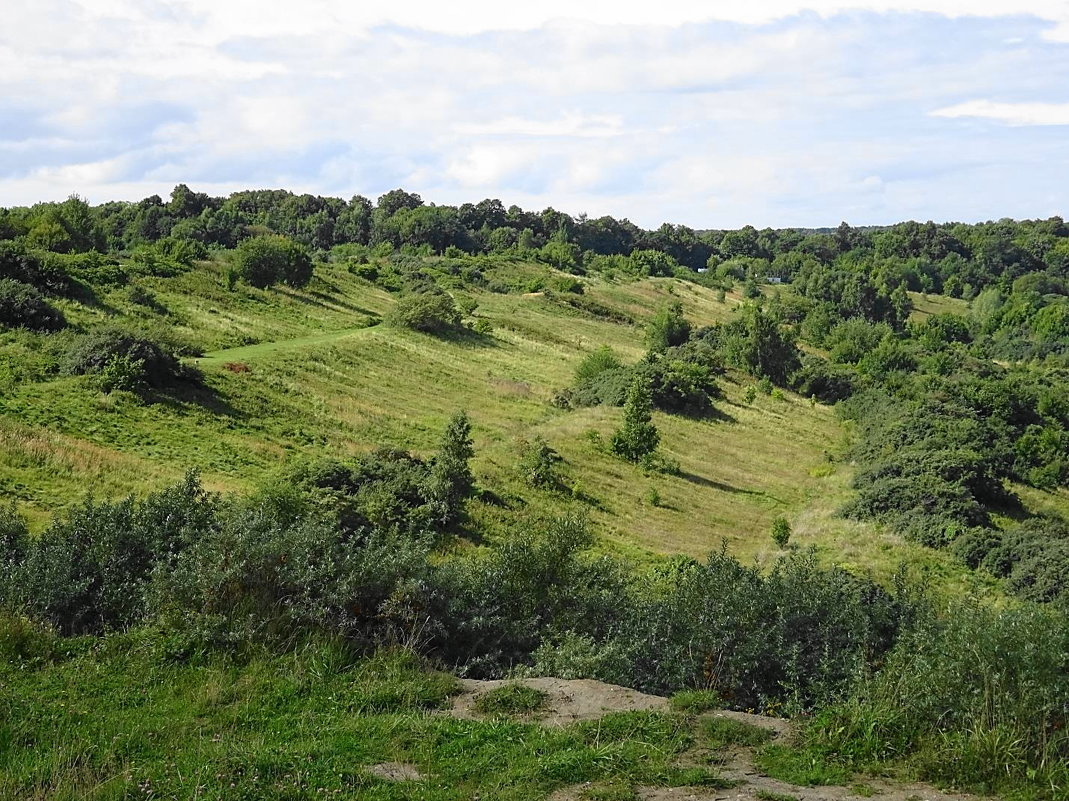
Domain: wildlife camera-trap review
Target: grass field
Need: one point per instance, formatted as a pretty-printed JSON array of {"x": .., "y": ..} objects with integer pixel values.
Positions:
[
  {"x": 293, "y": 374},
  {"x": 117, "y": 720}
]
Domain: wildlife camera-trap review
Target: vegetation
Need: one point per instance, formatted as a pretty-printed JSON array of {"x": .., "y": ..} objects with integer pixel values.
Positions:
[
  {"x": 348, "y": 531},
  {"x": 637, "y": 438},
  {"x": 511, "y": 699}
]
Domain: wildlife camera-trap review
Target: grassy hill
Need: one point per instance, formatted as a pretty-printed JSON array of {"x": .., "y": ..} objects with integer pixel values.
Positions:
[{"x": 294, "y": 374}]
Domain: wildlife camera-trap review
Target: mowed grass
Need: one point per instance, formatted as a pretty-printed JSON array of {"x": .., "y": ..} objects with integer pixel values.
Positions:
[
  {"x": 341, "y": 392},
  {"x": 117, "y": 718},
  {"x": 924, "y": 306}
]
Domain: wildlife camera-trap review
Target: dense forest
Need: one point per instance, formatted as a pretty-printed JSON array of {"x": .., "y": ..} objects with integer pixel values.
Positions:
[{"x": 952, "y": 415}]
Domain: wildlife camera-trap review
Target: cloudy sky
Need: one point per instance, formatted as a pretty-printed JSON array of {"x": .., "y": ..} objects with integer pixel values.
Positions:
[{"x": 779, "y": 113}]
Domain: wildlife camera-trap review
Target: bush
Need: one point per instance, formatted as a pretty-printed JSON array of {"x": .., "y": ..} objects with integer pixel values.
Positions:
[
  {"x": 682, "y": 379},
  {"x": 124, "y": 358},
  {"x": 538, "y": 464},
  {"x": 25, "y": 266},
  {"x": 595, "y": 363},
  {"x": 608, "y": 388},
  {"x": 781, "y": 532},
  {"x": 266, "y": 260},
  {"x": 433, "y": 312},
  {"x": 824, "y": 381},
  {"x": 668, "y": 328},
  {"x": 22, "y": 306},
  {"x": 88, "y": 570},
  {"x": 393, "y": 491},
  {"x": 968, "y": 698},
  {"x": 637, "y": 436}
]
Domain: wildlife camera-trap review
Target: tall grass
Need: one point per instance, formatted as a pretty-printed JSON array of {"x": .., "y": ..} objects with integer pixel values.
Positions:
[{"x": 975, "y": 697}]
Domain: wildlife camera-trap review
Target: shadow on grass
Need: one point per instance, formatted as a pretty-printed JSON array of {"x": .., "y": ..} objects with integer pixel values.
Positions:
[
  {"x": 465, "y": 338},
  {"x": 328, "y": 302},
  {"x": 193, "y": 392},
  {"x": 701, "y": 481}
]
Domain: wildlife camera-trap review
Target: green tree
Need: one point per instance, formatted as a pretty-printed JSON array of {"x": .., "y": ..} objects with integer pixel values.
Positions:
[
  {"x": 434, "y": 312},
  {"x": 781, "y": 531},
  {"x": 266, "y": 260},
  {"x": 668, "y": 328},
  {"x": 638, "y": 436},
  {"x": 450, "y": 480}
]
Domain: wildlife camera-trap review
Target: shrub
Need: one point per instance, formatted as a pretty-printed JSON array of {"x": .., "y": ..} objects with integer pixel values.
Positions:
[
  {"x": 682, "y": 380},
  {"x": 781, "y": 531},
  {"x": 122, "y": 374},
  {"x": 263, "y": 574},
  {"x": 433, "y": 312},
  {"x": 266, "y": 260},
  {"x": 595, "y": 363},
  {"x": 124, "y": 357},
  {"x": 824, "y": 381},
  {"x": 88, "y": 570},
  {"x": 393, "y": 491},
  {"x": 637, "y": 436},
  {"x": 608, "y": 388},
  {"x": 668, "y": 328},
  {"x": 538, "y": 464},
  {"x": 25, "y": 266},
  {"x": 22, "y": 306},
  {"x": 968, "y": 698}
]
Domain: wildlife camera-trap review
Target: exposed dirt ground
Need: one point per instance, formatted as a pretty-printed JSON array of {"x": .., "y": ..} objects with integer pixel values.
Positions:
[{"x": 583, "y": 699}]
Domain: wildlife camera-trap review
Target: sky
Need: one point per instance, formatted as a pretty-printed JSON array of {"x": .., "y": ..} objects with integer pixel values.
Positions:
[{"x": 710, "y": 114}]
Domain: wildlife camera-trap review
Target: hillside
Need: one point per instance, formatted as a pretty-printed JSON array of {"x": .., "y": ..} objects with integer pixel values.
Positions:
[
  {"x": 278, "y": 474},
  {"x": 293, "y": 374}
]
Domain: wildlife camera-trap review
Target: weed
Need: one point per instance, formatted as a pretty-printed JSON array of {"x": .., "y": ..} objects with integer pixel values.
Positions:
[
  {"x": 723, "y": 731},
  {"x": 511, "y": 699},
  {"x": 801, "y": 767},
  {"x": 696, "y": 701}
]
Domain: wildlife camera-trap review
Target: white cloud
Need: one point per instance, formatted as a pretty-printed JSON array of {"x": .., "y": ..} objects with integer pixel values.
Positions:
[
  {"x": 647, "y": 111},
  {"x": 568, "y": 125},
  {"x": 1010, "y": 113},
  {"x": 466, "y": 17}
]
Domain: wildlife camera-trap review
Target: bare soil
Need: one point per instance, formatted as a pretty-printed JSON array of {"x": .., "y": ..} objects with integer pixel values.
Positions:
[{"x": 570, "y": 701}]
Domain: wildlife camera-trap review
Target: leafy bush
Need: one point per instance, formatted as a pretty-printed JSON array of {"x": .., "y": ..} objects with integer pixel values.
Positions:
[
  {"x": 266, "y": 260},
  {"x": 668, "y": 328},
  {"x": 538, "y": 464},
  {"x": 797, "y": 635},
  {"x": 22, "y": 306},
  {"x": 637, "y": 436},
  {"x": 968, "y": 697},
  {"x": 433, "y": 312},
  {"x": 818, "y": 378},
  {"x": 781, "y": 532},
  {"x": 262, "y": 574},
  {"x": 682, "y": 380},
  {"x": 25, "y": 266},
  {"x": 128, "y": 357},
  {"x": 390, "y": 490},
  {"x": 88, "y": 570},
  {"x": 595, "y": 363},
  {"x": 608, "y": 388}
]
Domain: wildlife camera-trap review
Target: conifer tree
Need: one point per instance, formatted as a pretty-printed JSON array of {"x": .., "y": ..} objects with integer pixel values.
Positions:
[{"x": 638, "y": 436}]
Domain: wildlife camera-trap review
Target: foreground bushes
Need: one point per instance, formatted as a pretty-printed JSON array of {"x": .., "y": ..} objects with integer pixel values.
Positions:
[
  {"x": 971, "y": 697},
  {"x": 274, "y": 567}
]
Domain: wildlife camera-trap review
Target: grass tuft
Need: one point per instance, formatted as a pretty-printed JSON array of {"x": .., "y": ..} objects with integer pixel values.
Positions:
[{"x": 512, "y": 699}]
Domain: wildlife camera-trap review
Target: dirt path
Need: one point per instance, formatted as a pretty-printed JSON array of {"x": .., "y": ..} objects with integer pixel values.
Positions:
[{"x": 570, "y": 701}]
